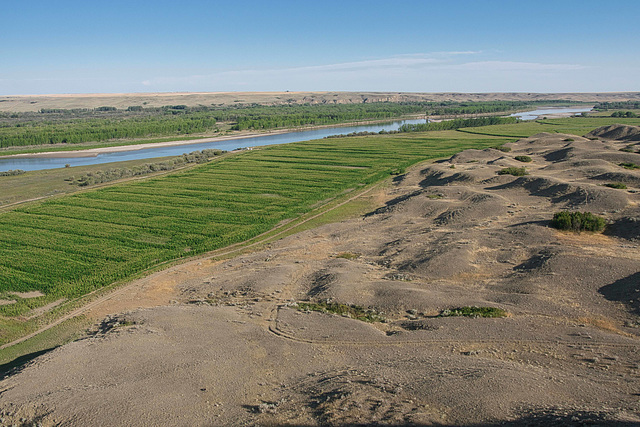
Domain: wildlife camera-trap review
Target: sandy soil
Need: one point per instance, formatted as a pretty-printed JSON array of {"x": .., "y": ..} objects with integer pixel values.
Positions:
[
  {"x": 219, "y": 343},
  {"x": 123, "y": 100}
]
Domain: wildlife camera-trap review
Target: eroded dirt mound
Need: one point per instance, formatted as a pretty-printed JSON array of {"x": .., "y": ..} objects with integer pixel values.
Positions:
[
  {"x": 617, "y": 132},
  {"x": 231, "y": 345}
]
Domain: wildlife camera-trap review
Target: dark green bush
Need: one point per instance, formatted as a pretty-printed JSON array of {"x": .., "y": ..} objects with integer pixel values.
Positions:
[
  {"x": 348, "y": 255},
  {"x": 501, "y": 148},
  {"x": 513, "y": 171},
  {"x": 12, "y": 172},
  {"x": 473, "y": 312},
  {"x": 630, "y": 166},
  {"x": 352, "y": 311},
  {"x": 577, "y": 221},
  {"x": 629, "y": 114},
  {"x": 525, "y": 159},
  {"x": 618, "y": 185}
]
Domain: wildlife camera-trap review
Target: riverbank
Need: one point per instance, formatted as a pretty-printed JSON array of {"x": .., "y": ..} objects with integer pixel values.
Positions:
[
  {"x": 68, "y": 152},
  {"x": 80, "y": 152}
]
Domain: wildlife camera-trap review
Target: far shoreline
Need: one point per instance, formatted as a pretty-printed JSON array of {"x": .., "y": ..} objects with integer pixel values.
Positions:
[{"x": 94, "y": 152}]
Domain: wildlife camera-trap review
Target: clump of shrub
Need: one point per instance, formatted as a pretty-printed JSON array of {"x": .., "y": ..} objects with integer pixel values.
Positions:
[
  {"x": 618, "y": 185},
  {"x": 473, "y": 311},
  {"x": 352, "y": 311},
  {"x": 525, "y": 159},
  {"x": 626, "y": 114},
  {"x": 501, "y": 148},
  {"x": 12, "y": 172},
  {"x": 630, "y": 165},
  {"x": 577, "y": 221},
  {"x": 569, "y": 139},
  {"x": 99, "y": 177},
  {"x": 364, "y": 133},
  {"x": 513, "y": 171},
  {"x": 627, "y": 150},
  {"x": 348, "y": 255}
]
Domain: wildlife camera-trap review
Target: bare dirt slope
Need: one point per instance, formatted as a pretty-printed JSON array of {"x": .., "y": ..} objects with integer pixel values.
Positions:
[
  {"x": 617, "y": 132},
  {"x": 22, "y": 103},
  {"x": 224, "y": 346}
]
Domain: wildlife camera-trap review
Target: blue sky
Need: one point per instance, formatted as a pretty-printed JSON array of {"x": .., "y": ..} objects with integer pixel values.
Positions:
[{"x": 350, "y": 45}]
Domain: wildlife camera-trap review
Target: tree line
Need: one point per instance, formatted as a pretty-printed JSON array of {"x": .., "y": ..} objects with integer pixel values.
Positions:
[
  {"x": 59, "y": 126},
  {"x": 457, "y": 124}
]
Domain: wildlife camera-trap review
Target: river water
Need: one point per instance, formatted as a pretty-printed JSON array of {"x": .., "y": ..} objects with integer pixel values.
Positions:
[
  {"x": 40, "y": 163},
  {"x": 532, "y": 115}
]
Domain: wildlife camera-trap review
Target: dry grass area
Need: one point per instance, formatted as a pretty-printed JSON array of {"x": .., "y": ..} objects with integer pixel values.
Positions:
[
  {"x": 192, "y": 99},
  {"x": 218, "y": 342}
]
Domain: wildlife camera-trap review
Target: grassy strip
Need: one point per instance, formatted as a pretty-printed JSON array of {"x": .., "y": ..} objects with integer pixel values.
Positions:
[
  {"x": 473, "y": 312},
  {"x": 14, "y": 357},
  {"x": 89, "y": 145},
  {"x": 351, "y": 311}
]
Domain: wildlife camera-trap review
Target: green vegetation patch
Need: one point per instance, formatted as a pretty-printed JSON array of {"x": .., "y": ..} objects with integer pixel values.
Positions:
[
  {"x": 351, "y": 311},
  {"x": 473, "y": 311},
  {"x": 502, "y": 148},
  {"x": 577, "y": 221},
  {"x": 629, "y": 114},
  {"x": 513, "y": 171},
  {"x": 108, "y": 175},
  {"x": 457, "y": 124},
  {"x": 629, "y": 165},
  {"x": 348, "y": 255},
  {"x": 618, "y": 185},
  {"x": 525, "y": 159},
  {"x": 12, "y": 172}
]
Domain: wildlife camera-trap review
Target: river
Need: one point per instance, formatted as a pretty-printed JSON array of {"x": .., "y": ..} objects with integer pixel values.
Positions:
[
  {"x": 40, "y": 163},
  {"x": 532, "y": 115}
]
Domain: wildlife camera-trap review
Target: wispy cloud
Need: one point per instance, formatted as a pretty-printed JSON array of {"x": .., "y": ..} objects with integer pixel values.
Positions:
[
  {"x": 460, "y": 71},
  {"x": 403, "y": 61},
  {"x": 395, "y": 65},
  {"x": 518, "y": 66}
]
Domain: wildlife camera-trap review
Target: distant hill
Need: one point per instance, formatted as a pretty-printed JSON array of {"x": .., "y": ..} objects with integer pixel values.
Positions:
[{"x": 122, "y": 101}]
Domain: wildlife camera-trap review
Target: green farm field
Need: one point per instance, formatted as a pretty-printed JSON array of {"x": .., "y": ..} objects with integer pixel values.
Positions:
[{"x": 70, "y": 245}]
